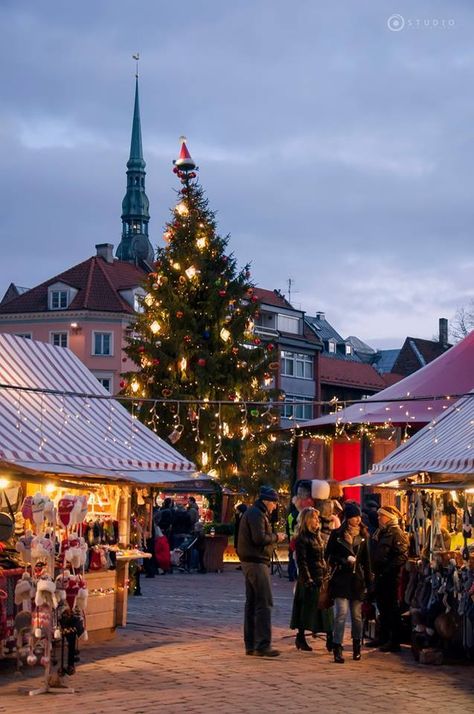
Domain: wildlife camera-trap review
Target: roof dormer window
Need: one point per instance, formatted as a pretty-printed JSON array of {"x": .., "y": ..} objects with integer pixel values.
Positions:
[
  {"x": 58, "y": 299},
  {"x": 332, "y": 347},
  {"x": 348, "y": 349}
]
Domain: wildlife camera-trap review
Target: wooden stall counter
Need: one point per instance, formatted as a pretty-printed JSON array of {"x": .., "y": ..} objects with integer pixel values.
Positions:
[{"x": 108, "y": 597}]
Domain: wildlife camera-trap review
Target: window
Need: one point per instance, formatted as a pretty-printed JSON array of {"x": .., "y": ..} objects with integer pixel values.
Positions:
[
  {"x": 296, "y": 364},
  {"x": 26, "y": 335},
  {"x": 58, "y": 299},
  {"x": 59, "y": 339},
  {"x": 288, "y": 324},
  {"x": 296, "y": 407},
  {"x": 332, "y": 347},
  {"x": 102, "y": 343},
  {"x": 106, "y": 382},
  {"x": 348, "y": 349}
]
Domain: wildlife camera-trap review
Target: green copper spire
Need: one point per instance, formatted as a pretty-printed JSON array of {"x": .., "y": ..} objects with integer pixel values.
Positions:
[{"x": 135, "y": 246}]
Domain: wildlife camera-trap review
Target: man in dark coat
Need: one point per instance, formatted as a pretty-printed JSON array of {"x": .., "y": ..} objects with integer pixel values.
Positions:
[
  {"x": 254, "y": 548},
  {"x": 389, "y": 555}
]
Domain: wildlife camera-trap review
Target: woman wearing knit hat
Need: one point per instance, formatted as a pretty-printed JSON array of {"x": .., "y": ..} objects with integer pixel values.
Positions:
[
  {"x": 389, "y": 555},
  {"x": 347, "y": 552}
]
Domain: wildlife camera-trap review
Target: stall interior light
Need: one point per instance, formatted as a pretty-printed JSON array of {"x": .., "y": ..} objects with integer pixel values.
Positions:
[
  {"x": 50, "y": 487},
  {"x": 4, "y": 483}
]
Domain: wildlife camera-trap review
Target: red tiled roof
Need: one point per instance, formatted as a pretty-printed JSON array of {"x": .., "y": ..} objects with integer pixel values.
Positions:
[
  {"x": 390, "y": 378},
  {"x": 349, "y": 373},
  {"x": 97, "y": 282},
  {"x": 270, "y": 297}
]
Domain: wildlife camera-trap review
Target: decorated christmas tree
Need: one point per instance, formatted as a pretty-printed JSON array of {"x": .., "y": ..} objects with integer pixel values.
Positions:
[{"x": 199, "y": 359}]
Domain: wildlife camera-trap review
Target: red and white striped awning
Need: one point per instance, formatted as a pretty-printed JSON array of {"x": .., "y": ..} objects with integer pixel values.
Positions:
[
  {"x": 74, "y": 435},
  {"x": 444, "y": 446}
]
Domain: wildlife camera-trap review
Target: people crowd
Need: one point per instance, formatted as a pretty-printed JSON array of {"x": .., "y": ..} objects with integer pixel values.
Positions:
[{"x": 336, "y": 573}]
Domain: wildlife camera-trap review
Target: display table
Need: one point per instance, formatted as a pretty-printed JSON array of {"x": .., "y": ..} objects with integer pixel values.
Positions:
[
  {"x": 214, "y": 548},
  {"x": 108, "y": 596}
]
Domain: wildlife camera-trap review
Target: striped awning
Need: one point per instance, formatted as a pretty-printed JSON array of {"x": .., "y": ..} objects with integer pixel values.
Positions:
[
  {"x": 444, "y": 446},
  {"x": 75, "y": 435}
]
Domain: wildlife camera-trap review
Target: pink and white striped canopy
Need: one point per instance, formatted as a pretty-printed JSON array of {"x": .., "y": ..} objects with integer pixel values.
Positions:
[{"x": 74, "y": 435}]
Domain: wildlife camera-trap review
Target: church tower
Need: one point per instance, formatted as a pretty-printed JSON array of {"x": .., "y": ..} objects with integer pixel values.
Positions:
[{"x": 135, "y": 246}]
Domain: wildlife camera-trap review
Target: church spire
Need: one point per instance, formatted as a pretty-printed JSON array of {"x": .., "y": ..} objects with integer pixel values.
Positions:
[{"x": 135, "y": 246}]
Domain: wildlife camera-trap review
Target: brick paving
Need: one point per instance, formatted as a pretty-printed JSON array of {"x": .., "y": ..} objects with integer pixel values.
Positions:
[{"x": 182, "y": 652}]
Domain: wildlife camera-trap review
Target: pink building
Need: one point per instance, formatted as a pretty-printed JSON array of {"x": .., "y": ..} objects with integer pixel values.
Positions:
[{"x": 88, "y": 307}]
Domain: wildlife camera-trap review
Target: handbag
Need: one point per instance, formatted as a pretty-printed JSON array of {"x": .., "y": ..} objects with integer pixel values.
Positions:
[{"x": 324, "y": 598}]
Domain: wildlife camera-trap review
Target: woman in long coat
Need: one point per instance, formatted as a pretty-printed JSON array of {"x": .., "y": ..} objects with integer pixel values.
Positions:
[
  {"x": 348, "y": 556},
  {"x": 309, "y": 554}
]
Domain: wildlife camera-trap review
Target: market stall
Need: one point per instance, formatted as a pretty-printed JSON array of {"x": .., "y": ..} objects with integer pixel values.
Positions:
[
  {"x": 432, "y": 478},
  {"x": 69, "y": 454}
]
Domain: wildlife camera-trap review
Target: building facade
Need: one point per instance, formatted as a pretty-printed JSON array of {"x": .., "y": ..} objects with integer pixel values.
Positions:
[{"x": 88, "y": 307}]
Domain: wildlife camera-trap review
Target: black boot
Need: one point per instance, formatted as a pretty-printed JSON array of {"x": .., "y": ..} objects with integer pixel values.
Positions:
[
  {"x": 337, "y": 649},
  {"x": 356, "y": 650},
  {"x": 329, "y": 642},
  {"x": 301, "y": 643}
]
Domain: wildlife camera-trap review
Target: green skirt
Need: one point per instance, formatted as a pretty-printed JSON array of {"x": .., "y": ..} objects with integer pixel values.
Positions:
[{"x": 306, "y": 615}]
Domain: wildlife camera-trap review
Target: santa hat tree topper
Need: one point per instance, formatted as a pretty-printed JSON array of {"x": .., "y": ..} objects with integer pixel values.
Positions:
[{"x": 184, "y": 165}]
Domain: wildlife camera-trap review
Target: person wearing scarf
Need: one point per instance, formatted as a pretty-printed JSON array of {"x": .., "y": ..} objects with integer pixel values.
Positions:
[
  {"x": 309, "y": 555},
  {"x": 389, "y": 555},
  {"x": 347, "y": 553}
]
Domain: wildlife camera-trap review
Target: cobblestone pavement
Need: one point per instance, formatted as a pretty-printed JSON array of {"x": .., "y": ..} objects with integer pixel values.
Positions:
[{"x": 182, "y": 652}]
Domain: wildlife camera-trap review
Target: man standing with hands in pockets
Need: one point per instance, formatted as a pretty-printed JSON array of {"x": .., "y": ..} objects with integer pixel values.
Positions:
[{"x": 255, "y": 548}]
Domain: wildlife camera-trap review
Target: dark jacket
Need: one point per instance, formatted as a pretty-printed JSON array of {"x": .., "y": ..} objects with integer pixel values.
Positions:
[
  {"x": 349, "y": 580},
  {"x": 309, "y": 553},
  {"x": 255, "y": 544},
  {"x": 389, "y": 551}
]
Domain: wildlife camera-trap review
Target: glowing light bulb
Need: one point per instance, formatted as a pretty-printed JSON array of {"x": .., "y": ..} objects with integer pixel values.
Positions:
[
  {"x": 4, "y": 482},
  {"x": 182, "y": 209},
  {"x": 191, "y": 272},
  {"x": 135, "y": 386},
  {"x": 204, "y": 458},
  {"x": 176, "y": 266},
  {"x": 201, "y": 243}
]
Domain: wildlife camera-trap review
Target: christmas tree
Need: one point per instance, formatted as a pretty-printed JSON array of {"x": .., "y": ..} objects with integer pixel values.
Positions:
[{"x": 197, "y": 352}]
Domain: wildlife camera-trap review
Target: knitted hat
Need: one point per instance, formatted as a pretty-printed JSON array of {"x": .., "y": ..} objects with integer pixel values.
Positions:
[
  {"x": 391, "y": 512},
  {"x": 267, "y": 493},
  {"x": 351, "y": 509}
]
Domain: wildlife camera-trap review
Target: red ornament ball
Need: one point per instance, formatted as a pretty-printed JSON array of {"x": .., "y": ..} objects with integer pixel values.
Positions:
[
  {"x": 256, "y": 340},
  {"x": 188, "y": 339},
  {"x": 124, "y": 359},
  {"x": 254, "y": 298},
  {"x": 235, "y": 350},
  {"x": 141, "y": 348},
  {"x": 270, "y": 346},
  {"x": 180, "y": 314},
  {"x": 201, "y": 362},
  {"x": 222, "y": 293},
  {"x": 156, "y": 362},
  {"x": 123, "y": 384}
]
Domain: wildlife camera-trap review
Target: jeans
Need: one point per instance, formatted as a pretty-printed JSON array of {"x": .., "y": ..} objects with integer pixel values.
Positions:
[
  {"x": 341, "y": 608},
  {"x": 258, "y": 606}
]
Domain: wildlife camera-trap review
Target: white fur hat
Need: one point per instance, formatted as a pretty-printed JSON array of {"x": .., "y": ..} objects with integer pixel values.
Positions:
[{"x": 320, "y": 489}]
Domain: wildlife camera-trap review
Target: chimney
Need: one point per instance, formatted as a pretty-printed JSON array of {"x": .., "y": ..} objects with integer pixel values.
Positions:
[
  {"x": 105, "y": 251},
  {"x": 443, "y": 331},
  {"x": 320, "y": 316}
]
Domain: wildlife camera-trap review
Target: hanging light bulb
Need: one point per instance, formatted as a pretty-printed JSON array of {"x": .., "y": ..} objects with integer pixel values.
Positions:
[
  {"x": 191, "y": 272},
  {"x": 204, "y": 458},
  {"x": 176, "y": 266},
  {"x": 135, "y": 386},
  {"x": 225, "y": 334},
  {"x": 183, "y": 363},
  {"x": 182, "y": 209},
  {"x": 201, "y": 242},
  {"x": 155, "y": 327}
]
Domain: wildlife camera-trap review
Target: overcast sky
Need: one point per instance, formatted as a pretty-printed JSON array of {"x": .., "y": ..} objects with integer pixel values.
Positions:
[{"x": 335, "y": 140}]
